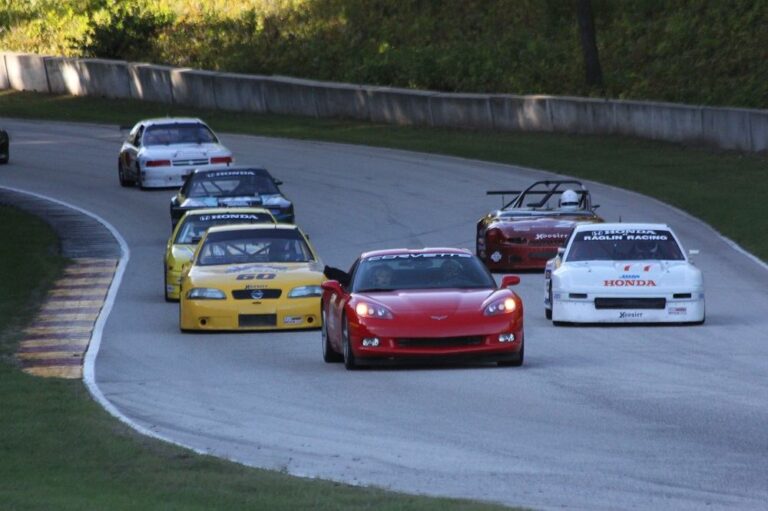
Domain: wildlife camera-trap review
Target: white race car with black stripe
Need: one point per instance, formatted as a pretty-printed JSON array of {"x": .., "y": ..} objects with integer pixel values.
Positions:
[{"x": 623, "y": 273}]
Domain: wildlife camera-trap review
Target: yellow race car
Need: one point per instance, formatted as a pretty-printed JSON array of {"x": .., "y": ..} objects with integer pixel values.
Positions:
[
  {"x": 188, "y": 232},
  {"x": 252, "y": 277}
]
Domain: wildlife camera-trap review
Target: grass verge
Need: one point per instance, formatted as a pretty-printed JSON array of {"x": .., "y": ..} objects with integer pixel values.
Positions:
[
  {"x": 60, "y": 450},
  {"x": 722, "y": 188}
]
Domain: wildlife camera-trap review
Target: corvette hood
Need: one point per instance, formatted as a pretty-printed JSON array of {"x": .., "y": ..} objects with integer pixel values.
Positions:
[
  {"x": 629, "y": 276},
  {"x": 421, "y": 302}
]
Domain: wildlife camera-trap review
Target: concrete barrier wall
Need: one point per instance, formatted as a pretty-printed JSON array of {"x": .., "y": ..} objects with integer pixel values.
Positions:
[
  {"x": 240, "y": 93},
  {"x": 758, "y": 130},
  {"x": 727, "y": 128},
  {"x": 149, "y": 82},
  {"x": 404, "y": 107},
  {"x": 459, "y": 110},
  {"x": 585, "y": 116},
  {"x": 342, "y": 100},
  {"x": 191, "y": 87},
  {"x": 26, "y": 72},
  {"x": 4, "y": 84},
  {"x": 520, "y": 113},
  {"x": 290, "y": 96}
]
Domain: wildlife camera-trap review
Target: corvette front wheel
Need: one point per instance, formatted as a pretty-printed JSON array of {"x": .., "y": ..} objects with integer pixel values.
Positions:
[
  {"x": 350, "y": 362},
  {"x": 329, "y": 355},
  {"x": 515, "y": 362}
]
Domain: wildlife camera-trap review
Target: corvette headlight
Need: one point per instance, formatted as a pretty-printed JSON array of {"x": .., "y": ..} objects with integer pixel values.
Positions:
[
  {"x": 370, "y": 310},
  {"x": 305, "y": 291},
  {"x": 503, "y": 306},
  {"x": 205, "y": 293}
]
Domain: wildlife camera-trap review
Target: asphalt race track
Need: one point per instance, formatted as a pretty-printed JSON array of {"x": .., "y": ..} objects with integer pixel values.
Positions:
[{"x": 598, "y": 418}]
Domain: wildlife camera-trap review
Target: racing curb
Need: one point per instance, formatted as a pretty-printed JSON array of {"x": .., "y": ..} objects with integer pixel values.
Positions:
[{"x": 56, "y": 342}]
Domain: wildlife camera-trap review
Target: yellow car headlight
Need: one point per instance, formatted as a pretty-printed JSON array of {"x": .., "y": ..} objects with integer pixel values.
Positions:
[
  {"x": 205, "y": 293},
  {"x": 305, "y": 292}
]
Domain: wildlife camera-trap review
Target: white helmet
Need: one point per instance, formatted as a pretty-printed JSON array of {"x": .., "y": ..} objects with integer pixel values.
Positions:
[{"x": 569, "y": 200}]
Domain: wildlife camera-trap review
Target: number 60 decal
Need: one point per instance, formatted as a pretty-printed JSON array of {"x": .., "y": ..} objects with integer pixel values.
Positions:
[{"x": 256, "y": 276}]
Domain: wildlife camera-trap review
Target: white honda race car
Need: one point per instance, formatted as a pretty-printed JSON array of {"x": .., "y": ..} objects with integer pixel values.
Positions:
[{"x": 623, "y": 273}]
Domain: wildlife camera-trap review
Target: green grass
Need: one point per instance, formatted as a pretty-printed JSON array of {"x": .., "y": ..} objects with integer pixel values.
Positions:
[
  {"x": 60, "y": 450},
  {"x": 722, "y": 188}
]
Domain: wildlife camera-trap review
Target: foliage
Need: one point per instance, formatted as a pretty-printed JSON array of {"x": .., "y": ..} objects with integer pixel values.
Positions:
[{"x": 693, "y": 51}]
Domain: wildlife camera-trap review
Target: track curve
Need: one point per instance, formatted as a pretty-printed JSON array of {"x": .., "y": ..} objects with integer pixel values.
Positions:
[{"x": 598, "y": 418}]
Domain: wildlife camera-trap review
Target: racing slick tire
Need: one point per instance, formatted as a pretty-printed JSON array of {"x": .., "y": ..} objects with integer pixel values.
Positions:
[
  {"x": 350, "y": 362},
  {"x": 329, "y": 355},
  {"x": 515, "y": 362},
  {"x": 139, "y": 180},
  {"x": 165, "y": 287},
  {"x": 124, "y": 181},
  {"x": 548, "y": 311}
]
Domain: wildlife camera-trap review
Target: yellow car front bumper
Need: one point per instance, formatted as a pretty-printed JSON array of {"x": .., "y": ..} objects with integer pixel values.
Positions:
[{"x": 229, "y": 314}]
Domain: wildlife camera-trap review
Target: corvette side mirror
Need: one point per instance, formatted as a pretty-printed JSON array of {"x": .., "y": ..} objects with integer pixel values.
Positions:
[
  {"x": 509, "y": 280},
  {"x": 185, "y": 267},
  {"x": 332, "y": 285},
  {"x": 560, "y": 251}
]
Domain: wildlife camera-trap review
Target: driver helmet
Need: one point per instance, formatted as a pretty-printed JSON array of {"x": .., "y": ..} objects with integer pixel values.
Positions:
[{"x": 569, "y": 200}]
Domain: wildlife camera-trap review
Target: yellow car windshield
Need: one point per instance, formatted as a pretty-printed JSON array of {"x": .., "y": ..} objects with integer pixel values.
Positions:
[{"x": 239, "y": 247}]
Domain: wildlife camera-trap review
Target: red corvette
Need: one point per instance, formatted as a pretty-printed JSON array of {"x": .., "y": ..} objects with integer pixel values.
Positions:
[
  {"x": 418, "y": 304},
  {"x": 527, "y": 231}
]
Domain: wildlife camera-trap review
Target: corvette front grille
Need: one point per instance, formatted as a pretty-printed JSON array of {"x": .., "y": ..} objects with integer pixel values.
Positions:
[
  {"x": 439, "y": 342},
  {"x": 630, "y": 303}
]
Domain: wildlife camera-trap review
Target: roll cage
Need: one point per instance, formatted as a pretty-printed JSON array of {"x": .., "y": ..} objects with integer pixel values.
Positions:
[{"x": 538, "y": 196}]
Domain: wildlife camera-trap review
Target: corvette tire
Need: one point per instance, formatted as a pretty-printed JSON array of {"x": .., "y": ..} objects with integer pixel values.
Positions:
[
  {"x": 329, "y": 355},
  {"x": 516, "y": 362},
  {"x": 350, "y": 363}
]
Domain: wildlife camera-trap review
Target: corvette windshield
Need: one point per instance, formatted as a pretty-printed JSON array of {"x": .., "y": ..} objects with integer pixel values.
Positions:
[
  {"x": 178, "y": 133},
  {"x": 421, "y": 271},
  {"x": 254, "y": 246},
  {"x": 194, "y": 226},
  {"x": 624, "y": 245},
  {"x": 231, "y": 185}
]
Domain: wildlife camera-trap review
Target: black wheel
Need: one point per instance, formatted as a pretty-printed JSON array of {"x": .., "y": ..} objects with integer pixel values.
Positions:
[
  {"x": 124, "y": 181},
  {"x": 329, "y": 355},
  {"x": 350, "y": 363},
  {"x": 165, "y": 288},
  {"x": 515, "y": 362},
  {"x": 548, "y": 312},
  {"x": 139, "y": 179}
]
